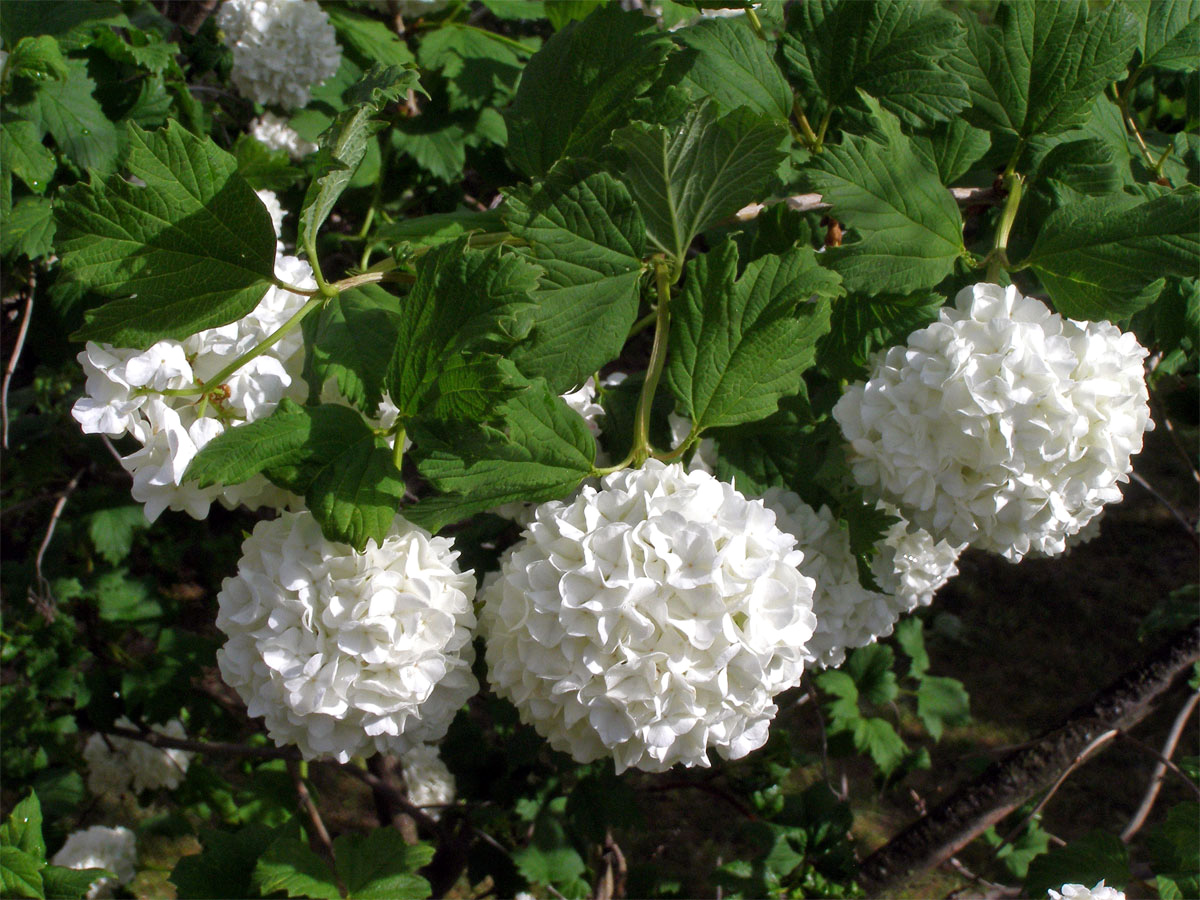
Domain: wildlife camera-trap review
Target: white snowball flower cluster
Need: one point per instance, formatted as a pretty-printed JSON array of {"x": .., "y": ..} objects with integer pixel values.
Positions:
[
  {"x": 1002, "y": 425},
  {"x": 281, "y": 48},
  {"x": 99, "y": 847},
  {"x": 123, "y": 397},
  {"x": 115, "y": 763},
  {"x": 429, "y": 782},
  {"x": 909, "y": 568},
  {"x": 274, "y": 132},
  {"x": 347, "y": 653},
  {"x": 275, "y": 211},
  {"x": 650, "y": 620},
  {"x": 1080, "y": 892}
]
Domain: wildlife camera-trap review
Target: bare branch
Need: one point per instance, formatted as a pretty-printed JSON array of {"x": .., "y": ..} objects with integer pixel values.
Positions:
[
  {"x": 314, "y": 816},
  {"x": 16, "y": 354},
  {"x": 154, "y": 739},
  {"x": 1160, "y": 768},
  {"x": 42, "y": 597},
  {"x": 1175, "y": 514}
]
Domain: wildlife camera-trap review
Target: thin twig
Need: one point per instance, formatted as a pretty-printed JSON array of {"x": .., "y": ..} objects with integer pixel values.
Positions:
[
  {"x": 154, "y": 739},
  {"x": 1176, "y": 514},
  {"x": 16, "y": 354},
  {"x": 812, "y": 694},
  {"x": 999, "y": 890},
  {"x": 108, "y": 445},
  {"x": 314, "y": 816},
  {"x": 396, "y": 796},
  {"x": 44, "y": 597},
  {"x": 1079, "y": 759},
  {"x": 1146, "y": 748},
  {"x": 1160, "y": 415},
  {"x": 969, "y": 196},
  {"x": 1160, "y": 768}
]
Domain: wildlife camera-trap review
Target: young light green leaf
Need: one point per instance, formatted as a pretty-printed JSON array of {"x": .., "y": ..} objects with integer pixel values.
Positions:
[
  {"x": 344, "y": 143},
  {"x": 908, "y": 226},
  {"x": 29, "y": 228},
  {"x": 111, "y": 530},
  {"x": 1171, "y": 34},
  {"x": 942, "y": 702},
  {"x": 910, "y": 636},
  {"x": 586, "y": 80},
  {"x": 328, "y": 453},
  {"x": 1039, "y": 68},
  {"x": 542, "y": 453},
  {"x": 352, "y": 342},
  {"x": 699, "y": 170},
  {"x": 370, "y": 38},
  {"x": 737, "y": 347},
  {"x": 892, "y": 50},
  {"x": 463, "y": 301},
  {"x": 1104, "y": 257},
  {"x": 588, "y": 234},
  {"x": 67, "y": 109},
  {"x": 38, "y": 58},
  {"x": 195, "y": 225},
  {"x": 290, "y": 866},
  {"x": 23, "y": 829},
  {"x": 23, "y": 154},
  {"x": 734, "y": 67},
  {"x": 379, "y": 865},
  {"x": 20, "y": 873}
]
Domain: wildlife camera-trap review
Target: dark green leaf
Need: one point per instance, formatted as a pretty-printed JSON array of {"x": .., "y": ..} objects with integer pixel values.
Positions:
[
  {"x": 120, "y": 598},
  {"x": 878, "y": 739},
  {"x": 481, "y": 69},
  {"x": 143, "y": 49},
  {"x": 67, "y": 109},
  {"x": 890, "y": 49},
  {"x": 1097, "y": 856},
  {"x": 1104, "y": 257},
  {"x": 440, "y": 228},
  {"x": 954, "y": 147},
  {"x": 941, "y": 702},
  {"x": 263, "y": 167},
  {"x": 560, "y": 12},
  {"x": 549, "y": 858},
  {"x": 871, "y": 669},
  {"x": 370, "y": 38},
  {"x": 1171, "y": 34},
  {"x": 908, "y": 228},
  {"x": 1086, "y": 166},
  {"x": 463, "y": 301},
  {"x": 1038, "y": 70},
  {"x": 381, "y": 866},
  {"x": 910, "y": 636},
  {"x": 734, "y": 67},
  {"x": 20, "y": 873},
  {"x": 194, "y": 223},
  {"x": 352, "y": 342},
  {"x": 588, "y": 235},
  {"x": 860, "y": 326},
  {"x": 29, "y": 228},
  {"x": 1017, "y": 856},
  {"x": 344, "y": 143},
  {"x": 1175, "y": 850},
  {"x": 111, "y": 530},
  {"x": 61, "y": 883},
  {"x": 23, "y": 829},
  {"x": 543, "y": 451},
  {"x": 587, "y": 80},
  {"x": 737, "y": 347},
  {"x": 23, "y": 154},
  {"x": 290, "y": 866},
  {"x": 698, "y": 171},
  {"x": 69, "y": 21}
]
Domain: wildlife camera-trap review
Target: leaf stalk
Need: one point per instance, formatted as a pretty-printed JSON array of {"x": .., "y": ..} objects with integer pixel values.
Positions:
[{"x": 658, "y": 355}]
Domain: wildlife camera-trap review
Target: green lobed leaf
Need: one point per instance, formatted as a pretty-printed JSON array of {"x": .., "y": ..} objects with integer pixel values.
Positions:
[
  {"x": 954, "y": 147},
  {"x": 908, "y": 227},
  {"x": 910, "y": 636},
  {"x": 120, "y": 598},
  {"x": 61, "y": 883},
  {"x": 1039, "y": 68},
  {"x": 134, "y": 47},
  {"x": 699, "y": 170},
  {"x": 20, "y": 873},
  {"x": 776, "y": 452},
  {"x": 71, "y": 22},
  {"x": 111, "y": 530},
  {"x": 550, "y": 858},
  {"x": 481, "y": 69},
  {"x": 192, "y": 249},
  {"x": 24, "y": 155},
  {"x": 1017, "y": 856},
  {"x": 542, "y": 453},
  {"x": 871, "y": 669},
  {"x": 738, "y": 347},
  {"x": 352, "y": 342},
  {"x": 1171, "y": 33},
  {"x": 890, "y": 49},
  {"x": 379, "y": 865},
  {"x": 344, "y": 143},
  {"x": 29, "y": 228},
  {"x": 1099, "y": 855},
  {"x": 941, "y": 702},
  {"x": 588, "y": 235},
  {"x": 290, "y": 866},
  {"x": 463, "y": 301},
  {"x": 23, "y": 829},
  {"x": 1175, "y": 850},
  {"x": 369, "y": 37},
  {"x": 74, "y": 118},
  {"x": 734, "y": 67},
  {"x": 440, "y": 228},
  {"x": 878, "y": 739},
  {"x": 1104, "y": 257},
  {"x": 37, "y": 58},
  {"x": 587, "y": 80},
  {"x": 224, "y": 867}
]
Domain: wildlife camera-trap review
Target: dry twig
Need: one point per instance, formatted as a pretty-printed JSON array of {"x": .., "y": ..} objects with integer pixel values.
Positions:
[
  {"x": 1160, "y": 768},
  {"x": 16, "y": 354}
]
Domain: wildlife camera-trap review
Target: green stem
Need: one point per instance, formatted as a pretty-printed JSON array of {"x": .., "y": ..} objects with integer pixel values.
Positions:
[
  {"x": 310, "y": 250},
  {"x": 270, "y": 341},
  {"x": 1162, "y": 160},
  {"x": 822, "y": 128},
  {"x": 295, "y": 289},
  {"x": 503, "y": 39},
  {"x": 658, "y": 355},
  {"x": 685, "y": 445},
  {"x": 998, "y": 258},
  {"x": 642, "y": 324},
  {"x": 398, "y": 449},
  {"x": 755, "y": 23},
  {"x": 810, "y": 137}
]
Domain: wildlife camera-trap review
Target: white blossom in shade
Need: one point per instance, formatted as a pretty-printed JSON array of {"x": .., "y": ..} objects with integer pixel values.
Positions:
[
  {"x": 583, "y": 401},
  {"x": 650, "y": 620},
  {"x": 275, "y": 210},
  {"x": 704, "y": 454},
  {"x": 276, "y": 134},
  {"x": 99, "y": 847},
  {"x": 281, "y": 48},
  {"x": 1002, "y": 424},
  {"x": 1079, "y": 892},
  {"x": 908, "y": 568},
  {"x": 430, "y": 784},
  {"x": 347, "y": 653},
  {"x": 115, "y": 764},
  {"x": 123, "y": 396}
]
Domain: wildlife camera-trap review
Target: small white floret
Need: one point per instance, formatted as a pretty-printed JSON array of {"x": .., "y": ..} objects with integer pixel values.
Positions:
[{"x": 99, "y": 847}]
